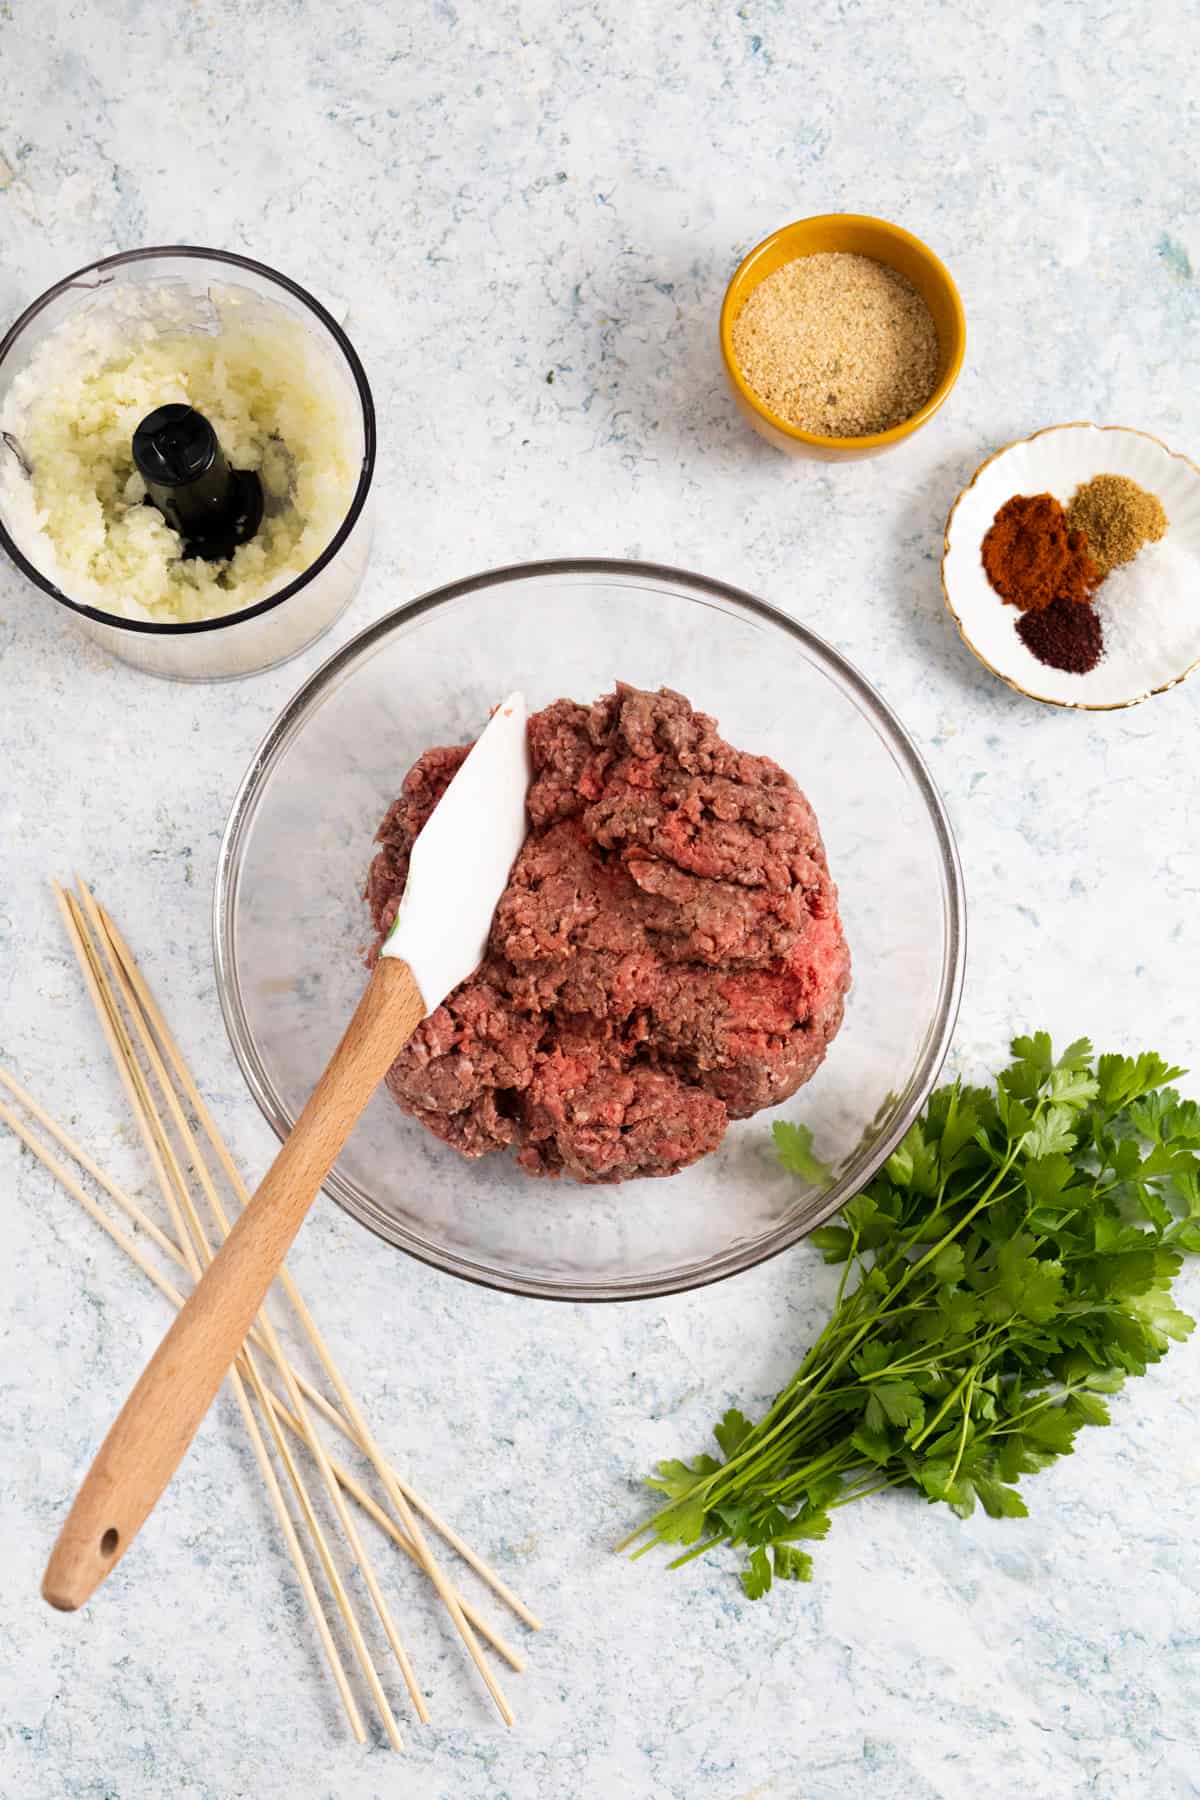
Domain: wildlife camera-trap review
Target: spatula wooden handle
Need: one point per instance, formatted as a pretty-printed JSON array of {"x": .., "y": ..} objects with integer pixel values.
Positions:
[{"x": 164, "y": 1411}]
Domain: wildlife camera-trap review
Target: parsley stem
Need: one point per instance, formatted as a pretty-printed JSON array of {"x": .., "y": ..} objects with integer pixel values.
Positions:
[
  {"x": 962, "y": 1441},
  {"x": 866, "y": 1492},
  {"x": 971, "y": 1373},
  {"x": 1002, "y": 1428},
  {"x": 697, "y": 1550},
  {"x": 851, "y": 1261}
]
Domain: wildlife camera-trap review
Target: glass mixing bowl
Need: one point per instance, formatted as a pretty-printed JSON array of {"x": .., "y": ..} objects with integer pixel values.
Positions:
[
  {"x": 164, "y": 290},
  {"x": 290, "y": 924}
]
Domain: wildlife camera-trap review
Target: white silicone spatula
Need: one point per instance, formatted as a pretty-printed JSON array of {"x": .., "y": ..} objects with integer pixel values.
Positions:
[{"x": 459, "y": 868}]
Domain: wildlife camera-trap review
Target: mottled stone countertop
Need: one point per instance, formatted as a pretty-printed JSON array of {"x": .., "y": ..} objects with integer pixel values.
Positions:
[{"x": 525, "y": 214}]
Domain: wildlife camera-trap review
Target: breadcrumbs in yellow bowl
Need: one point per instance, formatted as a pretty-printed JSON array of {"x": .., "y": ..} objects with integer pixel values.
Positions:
[{"x": 841, "y": 336}]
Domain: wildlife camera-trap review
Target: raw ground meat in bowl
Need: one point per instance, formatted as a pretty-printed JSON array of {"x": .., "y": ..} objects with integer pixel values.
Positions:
[
  {"x": 291, "y": 929},
  {"x": 667, "y": 955}
]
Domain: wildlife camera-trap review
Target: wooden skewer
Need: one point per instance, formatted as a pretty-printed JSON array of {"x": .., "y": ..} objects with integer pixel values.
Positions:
[
  {"x": 386, "y": 1523},
  {"x": 161, "y": 1030},
  {"x": 171, "y": 1397},
  {"x": 79, "y": 1155},
  {"x": 131, "y": 1076},
  {"x": 396, "y": 1495},
  {"x": 269, "y": 1476},
  {"x": 324, "y": 1552},
  {"x": 157, "y": 1130},
  {"x": 172, "y": 1293},
  {"x": 131, "y": 1079},
  {"x": 85, "y": 956},
  {"x": 274, "y": 1347}
]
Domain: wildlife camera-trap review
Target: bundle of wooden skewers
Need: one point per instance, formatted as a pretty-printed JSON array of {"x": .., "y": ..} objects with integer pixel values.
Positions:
[{"x": 278, "y": 1406}]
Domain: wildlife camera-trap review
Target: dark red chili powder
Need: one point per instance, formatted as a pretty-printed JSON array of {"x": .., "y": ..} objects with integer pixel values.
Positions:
[{"x": 1066, "y": 635}]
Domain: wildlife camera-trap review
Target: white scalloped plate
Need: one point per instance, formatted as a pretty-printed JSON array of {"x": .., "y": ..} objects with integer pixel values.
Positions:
[{"x": 1055, "y": 461}]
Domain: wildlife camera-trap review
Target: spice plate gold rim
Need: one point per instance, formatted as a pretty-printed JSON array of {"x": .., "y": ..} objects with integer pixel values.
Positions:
[{"x": 1041, "y": 699}]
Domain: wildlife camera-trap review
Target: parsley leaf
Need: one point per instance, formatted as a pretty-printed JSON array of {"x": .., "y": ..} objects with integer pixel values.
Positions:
[
  {"x": 731, "y": 1432},
  {"x": 833, "y": 1240},
  {"x": 793, "y": 1146},
  {"x": 893, "y": 1403},
  {"x": 1052, "y": 1132},
  {"x": 677, "y": 1479},
  {"x": 791, "y": 1564},
  {"x": 756, "y": 1578},
  {"x": 1036, "y": 1051}
]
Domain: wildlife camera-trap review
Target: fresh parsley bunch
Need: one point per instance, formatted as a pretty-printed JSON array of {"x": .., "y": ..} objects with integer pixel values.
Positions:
[{"x": 1004, "y": 1273}]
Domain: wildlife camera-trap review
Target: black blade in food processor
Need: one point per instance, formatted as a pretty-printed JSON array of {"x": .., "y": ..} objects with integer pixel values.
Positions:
[{"x": 213, "y": 508}]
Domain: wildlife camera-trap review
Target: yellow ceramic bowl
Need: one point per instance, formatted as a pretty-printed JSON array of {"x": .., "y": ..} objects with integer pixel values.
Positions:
[{"x": 861, "y": 236}]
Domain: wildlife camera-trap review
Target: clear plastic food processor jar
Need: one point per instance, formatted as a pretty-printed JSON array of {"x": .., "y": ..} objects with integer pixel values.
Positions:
[{"x": 181, "y": 471}]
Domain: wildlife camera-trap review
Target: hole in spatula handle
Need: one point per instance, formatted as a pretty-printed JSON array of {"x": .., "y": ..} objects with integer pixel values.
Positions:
[{"x": 109, "y": 1542}]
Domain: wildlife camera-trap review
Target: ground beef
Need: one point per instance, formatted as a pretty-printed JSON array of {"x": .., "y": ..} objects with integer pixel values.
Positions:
[{"x": 667, "y": 954}]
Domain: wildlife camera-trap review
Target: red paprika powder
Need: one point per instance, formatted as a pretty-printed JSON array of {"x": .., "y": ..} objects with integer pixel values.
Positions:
[{"x": 1032, "y": 559}]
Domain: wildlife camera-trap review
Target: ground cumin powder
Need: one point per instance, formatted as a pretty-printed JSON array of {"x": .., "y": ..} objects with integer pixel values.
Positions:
[
  {"x": 1117, "y": 517},
  {"x": 837, "y": 344}
]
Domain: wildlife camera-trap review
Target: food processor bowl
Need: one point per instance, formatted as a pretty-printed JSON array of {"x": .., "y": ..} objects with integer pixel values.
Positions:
[{"x": 181, "y": 284}]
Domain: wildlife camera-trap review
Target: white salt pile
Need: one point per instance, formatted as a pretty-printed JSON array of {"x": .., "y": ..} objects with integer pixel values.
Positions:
[{"x": 1150, "y": 613}]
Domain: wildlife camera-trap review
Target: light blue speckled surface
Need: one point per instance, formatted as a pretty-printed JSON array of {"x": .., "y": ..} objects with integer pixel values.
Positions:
[{"x": 490, "y": 195}]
